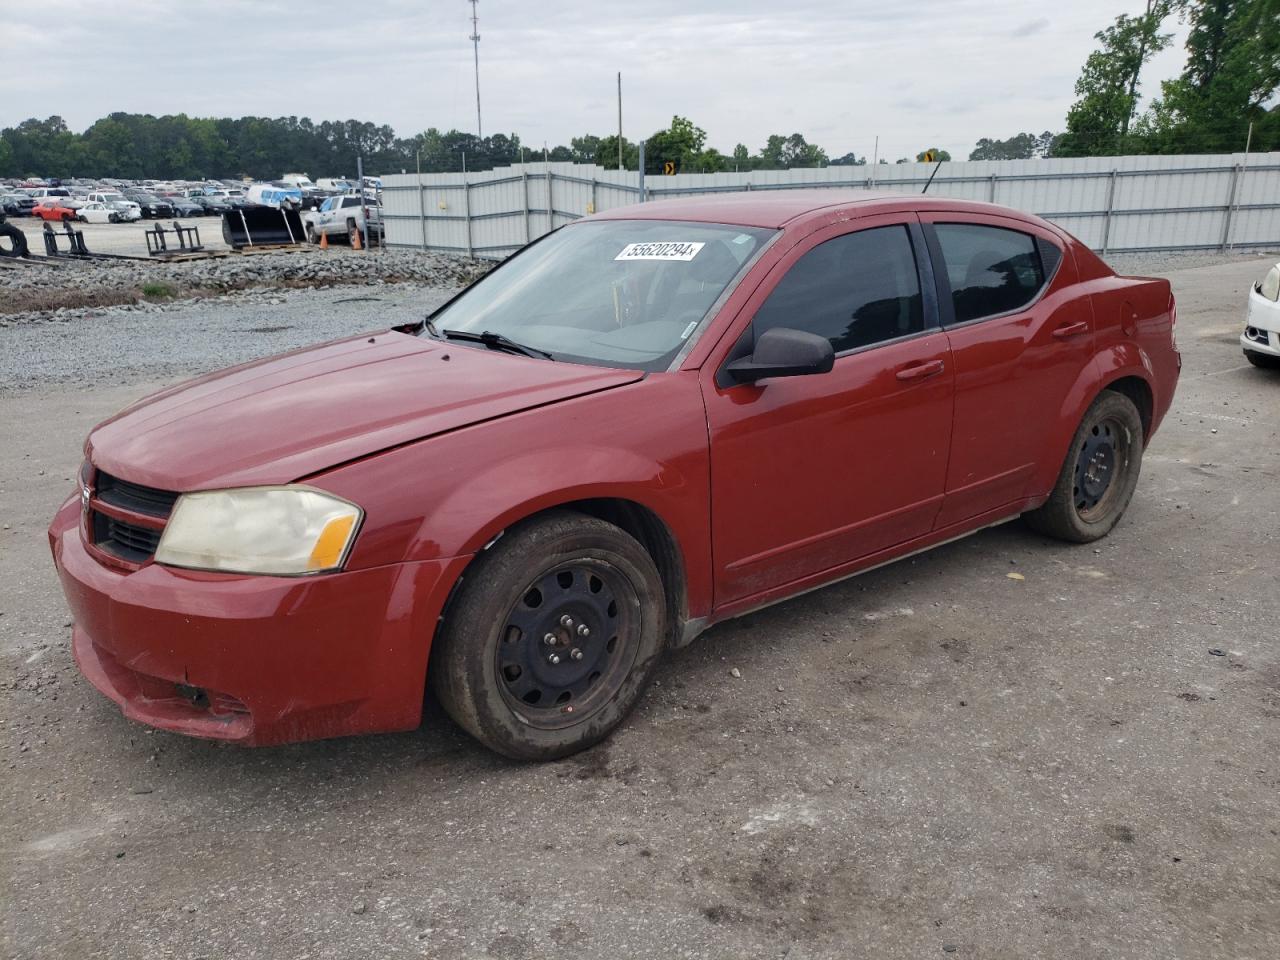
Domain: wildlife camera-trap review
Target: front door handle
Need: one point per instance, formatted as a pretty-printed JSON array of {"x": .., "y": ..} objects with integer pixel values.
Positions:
[
  {"x": 918, "y": 371},
  {"x": 1071, "y": 330}
]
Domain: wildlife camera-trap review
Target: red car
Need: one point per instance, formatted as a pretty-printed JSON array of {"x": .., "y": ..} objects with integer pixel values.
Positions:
[
  {"x": 54, "y": 208},
  {"x": 642, "y": 424}
]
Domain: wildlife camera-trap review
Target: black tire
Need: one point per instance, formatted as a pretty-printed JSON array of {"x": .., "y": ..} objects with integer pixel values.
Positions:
[
  {"x": 312, "y": 236},
  {"x": 1099, "y": 474},
  {"x": 1263, "y": 361},
  {"x": 113, "y": 218},
  {"x": 579, "y": 580},
  {"x": 352, "y": 232},
  {"x": 17, "y": 245}
]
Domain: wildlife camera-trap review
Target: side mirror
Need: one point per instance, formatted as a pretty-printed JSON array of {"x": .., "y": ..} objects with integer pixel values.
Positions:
[{"x": 782, "y": 352}]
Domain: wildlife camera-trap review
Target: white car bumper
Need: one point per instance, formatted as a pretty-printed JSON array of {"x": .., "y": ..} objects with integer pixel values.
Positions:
[{"x": 1262, "y": 325}]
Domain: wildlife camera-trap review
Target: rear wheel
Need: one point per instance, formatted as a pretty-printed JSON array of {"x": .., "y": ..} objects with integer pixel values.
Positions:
[
  {"x": 312, "y": 236},
  {"x": 353, "y": 232},
  {"x": 1263, "y": 360},
  {"x": 551, "y": 638},
  {"x": 1099, "y": 474}
]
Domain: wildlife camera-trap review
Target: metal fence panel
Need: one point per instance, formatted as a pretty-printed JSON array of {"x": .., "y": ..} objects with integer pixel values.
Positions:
[{"x": 1113, "y": 204}]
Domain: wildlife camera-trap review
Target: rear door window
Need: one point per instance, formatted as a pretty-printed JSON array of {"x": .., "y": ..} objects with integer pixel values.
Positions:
[
  {"x": 992, "y": 270},
  {"x": 855, "y": 290}
]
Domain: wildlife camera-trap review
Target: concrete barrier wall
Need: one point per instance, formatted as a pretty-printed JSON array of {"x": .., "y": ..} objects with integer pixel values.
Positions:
[{"x": 1114, "y": 204}]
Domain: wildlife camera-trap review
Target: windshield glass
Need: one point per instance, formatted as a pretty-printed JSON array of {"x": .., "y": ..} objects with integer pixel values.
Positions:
[{"x": 618, "y": 293}]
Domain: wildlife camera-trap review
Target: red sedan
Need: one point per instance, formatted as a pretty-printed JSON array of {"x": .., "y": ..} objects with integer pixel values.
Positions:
[
  {"x": 642, "y": 424},
  {"x": 54, "y": 208}
]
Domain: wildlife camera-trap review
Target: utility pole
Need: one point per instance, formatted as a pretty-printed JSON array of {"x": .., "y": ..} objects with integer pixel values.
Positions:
[
  {"x": 619, "y": 120},
  {"x": 475, "y": 45}
]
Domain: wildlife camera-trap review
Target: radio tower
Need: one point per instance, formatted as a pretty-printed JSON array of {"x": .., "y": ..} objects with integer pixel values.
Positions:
[{"x": 475, "y": 44}]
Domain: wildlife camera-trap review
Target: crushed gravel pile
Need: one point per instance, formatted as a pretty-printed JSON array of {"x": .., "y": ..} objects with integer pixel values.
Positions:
[{"x": 51, "y": 291}]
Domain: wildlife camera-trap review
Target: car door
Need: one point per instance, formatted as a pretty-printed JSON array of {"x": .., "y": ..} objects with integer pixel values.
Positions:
[
  {"x": 1020, "y": 341},
  {"x": 810, "y": 473}
]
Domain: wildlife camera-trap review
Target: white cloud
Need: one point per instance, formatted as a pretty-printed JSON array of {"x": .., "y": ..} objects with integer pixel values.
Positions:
[{"x": 932, "y": 73}]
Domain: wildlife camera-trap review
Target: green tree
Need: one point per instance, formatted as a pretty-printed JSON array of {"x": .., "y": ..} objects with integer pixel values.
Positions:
[
  {"x": 938, "y": 154},
  {"x": 681, "y": 144},
  {"x": 1107, "y": 90},
  {"x": 786, "y": 153},
  {"x": 1232, "y": 71}
]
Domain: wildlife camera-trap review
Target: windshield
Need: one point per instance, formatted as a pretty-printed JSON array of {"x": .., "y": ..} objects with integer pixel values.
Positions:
[{"x": 618, "y": 293}]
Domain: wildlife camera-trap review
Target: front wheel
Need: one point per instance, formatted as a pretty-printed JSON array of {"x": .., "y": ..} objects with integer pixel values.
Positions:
[
  {"x": 551, "y": 638},
  {"x": 1098, "y": 476}
]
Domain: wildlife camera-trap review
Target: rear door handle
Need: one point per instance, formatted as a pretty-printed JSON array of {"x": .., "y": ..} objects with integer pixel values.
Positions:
[
  {"x": 918, "y": 371},
  {"x": 1071, "y": 330}
]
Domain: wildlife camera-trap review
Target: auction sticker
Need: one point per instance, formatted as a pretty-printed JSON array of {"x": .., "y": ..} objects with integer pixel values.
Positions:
[{"x": 665, "y": 250}]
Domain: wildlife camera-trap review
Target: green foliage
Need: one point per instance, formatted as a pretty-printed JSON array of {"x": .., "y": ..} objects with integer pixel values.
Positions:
[
  {"x": 1232, "y": 70},
  {"x": 158, "y": 291},
  {"x": 939, "y": 155},
  {"x": 1022, "y": 146},
  {"x": 1107, "y": 90}
]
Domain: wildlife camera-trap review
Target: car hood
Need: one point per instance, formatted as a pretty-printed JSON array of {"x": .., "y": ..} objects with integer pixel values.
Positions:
[{"x": 284, "y": 418}]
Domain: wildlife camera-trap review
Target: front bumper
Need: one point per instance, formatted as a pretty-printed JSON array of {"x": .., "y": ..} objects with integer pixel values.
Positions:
[
  {"x": 1262, "y": 325},
  {"x": 252, "y": 659}
]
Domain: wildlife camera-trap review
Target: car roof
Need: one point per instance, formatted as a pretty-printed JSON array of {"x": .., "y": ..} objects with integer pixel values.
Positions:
[{"x": 779, "y": 208}]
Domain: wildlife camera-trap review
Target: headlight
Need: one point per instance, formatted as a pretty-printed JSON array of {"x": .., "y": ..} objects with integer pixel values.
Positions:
[
  {"x": 1270, "y": 286},
  {"x": 271, "y": 530}
]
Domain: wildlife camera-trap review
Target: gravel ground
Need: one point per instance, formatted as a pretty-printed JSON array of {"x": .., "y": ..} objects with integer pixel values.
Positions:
[
  {"x": 90, "y": 348},
  {"x": 63, "y": 290},
  {"x": 930, "y": 759}
]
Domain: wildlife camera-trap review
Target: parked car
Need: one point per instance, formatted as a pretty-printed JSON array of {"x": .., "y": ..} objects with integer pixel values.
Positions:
[
  {"x": 647, "y": 422},
  {"x": 129, "y": 210},
  {"x": 98, "y": 212},
  {"x": 211, "y": 205},
  {"x": 54, "y": 208},
  {"x": 45, "y": 193},
  {"x": 1261, "y": 337},
  {"x": 16, "y": 204},
  {"x": 184, "y": 207},
  {"x": 152, "y": 207},
  {"x": 342, "y": 216}
]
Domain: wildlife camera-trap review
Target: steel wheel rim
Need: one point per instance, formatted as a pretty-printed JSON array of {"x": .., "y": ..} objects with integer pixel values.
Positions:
[
  {"x": 567, "y": 644},
  {"x": 1102, "y": 460}
]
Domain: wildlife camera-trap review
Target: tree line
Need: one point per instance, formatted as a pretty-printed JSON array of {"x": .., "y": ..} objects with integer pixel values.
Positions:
[{"x": 133, "y": 146}]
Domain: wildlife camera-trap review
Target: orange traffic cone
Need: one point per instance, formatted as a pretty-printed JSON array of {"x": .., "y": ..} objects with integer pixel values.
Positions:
[
  {"x": 355, "y": 241},
  {"x": 324, "y": 241}
]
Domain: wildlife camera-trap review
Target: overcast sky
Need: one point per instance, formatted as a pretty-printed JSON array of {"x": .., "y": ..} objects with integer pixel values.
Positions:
[{"x": 924, "y": 73}]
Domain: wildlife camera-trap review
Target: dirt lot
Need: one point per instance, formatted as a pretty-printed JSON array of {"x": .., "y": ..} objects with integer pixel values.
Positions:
[{"x": 932, "y": 758}]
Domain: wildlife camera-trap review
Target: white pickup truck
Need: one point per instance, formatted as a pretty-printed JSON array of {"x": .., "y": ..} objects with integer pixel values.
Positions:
[{"x": 343, "y": 216}]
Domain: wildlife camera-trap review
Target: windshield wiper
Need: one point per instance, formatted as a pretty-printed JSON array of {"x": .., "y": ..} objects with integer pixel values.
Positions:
[{"x": 494, "y": 341}]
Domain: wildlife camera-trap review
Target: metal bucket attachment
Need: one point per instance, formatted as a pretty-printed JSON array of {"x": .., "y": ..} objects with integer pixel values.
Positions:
[{"x": 261, "y": 226}]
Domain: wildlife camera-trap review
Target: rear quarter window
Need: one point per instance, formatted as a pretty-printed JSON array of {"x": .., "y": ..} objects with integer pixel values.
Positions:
[{"x": 992, "y": 270}]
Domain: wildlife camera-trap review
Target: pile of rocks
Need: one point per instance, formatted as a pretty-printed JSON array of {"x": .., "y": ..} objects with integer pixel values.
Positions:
[{"x": 36, "y": 292}]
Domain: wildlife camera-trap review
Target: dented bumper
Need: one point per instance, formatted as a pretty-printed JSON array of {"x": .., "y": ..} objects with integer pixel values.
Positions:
[{"x": 252, "y": 659}]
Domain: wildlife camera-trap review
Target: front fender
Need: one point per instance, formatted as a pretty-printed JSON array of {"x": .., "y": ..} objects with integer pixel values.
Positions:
[
  {"x": 449, "y": 495},
  {"x": 533, "y": 481}
]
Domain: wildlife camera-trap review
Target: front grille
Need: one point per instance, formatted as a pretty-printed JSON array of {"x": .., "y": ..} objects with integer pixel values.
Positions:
[
  {"x": 134, "y": 496},
  {"x": 133, "y": 542}
]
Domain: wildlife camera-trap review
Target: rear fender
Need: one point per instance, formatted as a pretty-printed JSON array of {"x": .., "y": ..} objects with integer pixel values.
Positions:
[{"x": 1114, "y": 363}]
